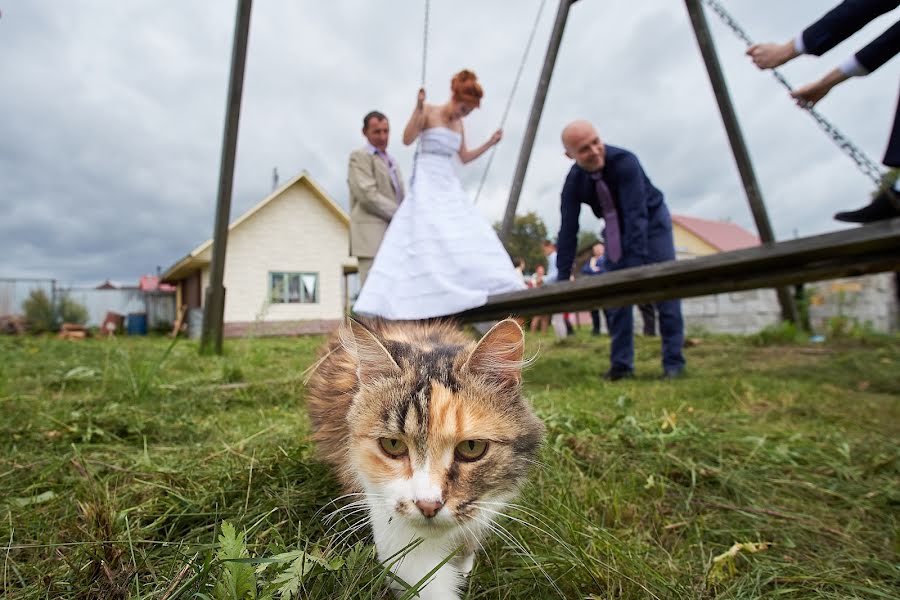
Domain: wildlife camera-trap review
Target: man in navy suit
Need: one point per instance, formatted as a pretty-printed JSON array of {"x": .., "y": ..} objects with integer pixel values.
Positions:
[
  {"x": 638, "y": 231},
  {"x": 833, "y": 28}
]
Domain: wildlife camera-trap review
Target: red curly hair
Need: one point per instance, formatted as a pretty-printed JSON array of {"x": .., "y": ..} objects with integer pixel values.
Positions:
[{"x": 465, "y": 88}]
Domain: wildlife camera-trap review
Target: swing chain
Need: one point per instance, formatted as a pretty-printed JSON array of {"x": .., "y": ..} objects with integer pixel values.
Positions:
[
  {"x": 422, "y": 86},
  {"x": 425, "y": 42},
  {"x": 865, "y": 164},
  {"x": 512, "y": 94}
]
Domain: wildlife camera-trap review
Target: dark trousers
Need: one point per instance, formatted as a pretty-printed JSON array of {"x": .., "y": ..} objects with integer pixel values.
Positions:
[
  {"x": 671, "y": 325},
  {"x": 671, "y": 329},
  {"x": 596, "y": 322},
  {"x": 648, "y": 316}
]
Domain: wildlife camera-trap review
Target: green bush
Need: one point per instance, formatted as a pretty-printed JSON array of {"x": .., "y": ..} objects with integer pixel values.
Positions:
[
  {"x": 40, "y": 314},
  {"x": 70, "y": 311}
]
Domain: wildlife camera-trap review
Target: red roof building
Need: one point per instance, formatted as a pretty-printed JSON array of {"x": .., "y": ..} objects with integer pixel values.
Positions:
[{"x": 701, "y": 237}]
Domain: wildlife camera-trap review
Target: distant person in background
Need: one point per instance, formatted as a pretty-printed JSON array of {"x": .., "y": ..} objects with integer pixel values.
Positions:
[
  {"x": 834, "y": 27},
  {"x": 561, "y": 324},
  {"x": 638, "y": 232},
  {"x": 520, "y": 268},
  {"x": 594, "y": 266},
  {"x": 549, "y": 249},
  {"x": 376, "y": 190},
  {"x": 538, "y": 322}
]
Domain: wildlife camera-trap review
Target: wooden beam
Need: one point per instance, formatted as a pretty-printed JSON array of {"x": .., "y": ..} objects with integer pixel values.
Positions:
[
  {"x": 871, "y": 249},
  {"x": 736, "y": 139},
  {"x": 214, "y": 305},
  {"x": 534, "y": 118}
]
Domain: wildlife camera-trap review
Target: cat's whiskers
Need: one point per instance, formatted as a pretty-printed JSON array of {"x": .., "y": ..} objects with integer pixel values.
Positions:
[
  {"x": 349, "y": 495},
  {"x": 476, "y": 536},
  {"x": 337, "y": 530},
  {"x": 524, "y": 510},
  {"x": 340, "y": 509},
  {"x": 345, "y": 513},
  {"x": 364, "y": 501},
  {"x": 538, "y": 463},
  {"x": 345, "y": 535},
  {"x": 508, "y": 537},
  {"x": 525, "y": 523}
]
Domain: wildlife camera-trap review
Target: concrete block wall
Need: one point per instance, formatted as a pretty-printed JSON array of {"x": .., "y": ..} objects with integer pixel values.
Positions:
[
  {"x": 739, "y": 313},
  {"x": 870, "y": 300}
]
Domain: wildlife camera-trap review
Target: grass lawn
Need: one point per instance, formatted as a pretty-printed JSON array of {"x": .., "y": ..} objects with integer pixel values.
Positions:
[{"x": 125, "y": 463}]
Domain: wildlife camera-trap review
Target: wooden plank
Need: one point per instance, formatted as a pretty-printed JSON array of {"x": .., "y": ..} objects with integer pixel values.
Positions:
[
  {"x": 870, "y": 249},
  {"x": 179, "y": 321}
]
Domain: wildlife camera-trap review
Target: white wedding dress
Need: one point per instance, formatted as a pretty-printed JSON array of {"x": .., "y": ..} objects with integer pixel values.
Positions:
[{"x": 439, "y": 256}]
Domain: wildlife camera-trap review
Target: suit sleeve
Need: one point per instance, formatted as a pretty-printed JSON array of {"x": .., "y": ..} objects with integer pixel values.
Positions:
[
  {"x": 570, "y": 209},
  {"x": 633, "y": 195},
  {"x": 881, "y": 49},
  {"x": 363, "y": 188},
  {"x": 841, "y": 22}
]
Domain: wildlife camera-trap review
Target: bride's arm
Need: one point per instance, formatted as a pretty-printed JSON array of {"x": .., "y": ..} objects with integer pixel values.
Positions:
[
  {"x": 466, "y": 155},
  {"x": 416, "y": 121}
]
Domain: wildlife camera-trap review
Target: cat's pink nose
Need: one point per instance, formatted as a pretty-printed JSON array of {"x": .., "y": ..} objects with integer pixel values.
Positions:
[{"x": 429, "y": 508}]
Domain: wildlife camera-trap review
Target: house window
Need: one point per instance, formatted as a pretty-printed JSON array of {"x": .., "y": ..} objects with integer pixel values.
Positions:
[{"x": 293, "y": 288}]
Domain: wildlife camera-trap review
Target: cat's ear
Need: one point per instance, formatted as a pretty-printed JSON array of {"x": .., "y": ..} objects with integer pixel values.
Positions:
[
  {"x": 373, "y": 361},
  {"x": 499, "y": 354}
]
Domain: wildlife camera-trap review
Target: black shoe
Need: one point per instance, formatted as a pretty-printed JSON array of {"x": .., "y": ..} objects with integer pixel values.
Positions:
[
  {"x": 878, "y": 209},
  {"x": 617, "y": 374},
  {"x": 670, "y": 374}
]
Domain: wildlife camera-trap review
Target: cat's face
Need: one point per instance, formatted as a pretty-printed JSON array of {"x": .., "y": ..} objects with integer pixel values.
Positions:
[{"x": 441, "y": 435}]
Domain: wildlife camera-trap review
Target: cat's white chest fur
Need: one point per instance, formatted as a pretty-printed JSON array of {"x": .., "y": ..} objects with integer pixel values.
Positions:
[{"x": 393, "y": 535}]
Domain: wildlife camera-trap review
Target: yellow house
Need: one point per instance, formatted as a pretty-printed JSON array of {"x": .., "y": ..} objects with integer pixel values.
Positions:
[
  {"x": 286, "y": 265},
  {"x": 700, "y": 237}
]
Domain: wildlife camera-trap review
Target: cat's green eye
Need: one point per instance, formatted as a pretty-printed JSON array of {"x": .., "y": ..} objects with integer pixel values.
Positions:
[
  {"x": 471, "y": 449},
  {"x": 393, "y": 447}
]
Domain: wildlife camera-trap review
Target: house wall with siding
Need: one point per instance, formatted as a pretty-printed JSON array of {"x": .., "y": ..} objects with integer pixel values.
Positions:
[
  {"x": 688, "y": 245},
  {"x": 295, "y": 232}
]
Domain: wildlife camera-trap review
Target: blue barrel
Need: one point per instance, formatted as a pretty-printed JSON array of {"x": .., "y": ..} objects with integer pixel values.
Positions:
[{"x": 137, "y": 323}]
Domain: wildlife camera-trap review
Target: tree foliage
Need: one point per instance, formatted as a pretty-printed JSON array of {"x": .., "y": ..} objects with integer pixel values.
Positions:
[
  {"x": 528, "y": 231},
  {"x": 70, "y": 311},
  {"x": 43, "y": 314},
  {"x": 586, "y": 239},
  {"x": 40, "y": 314}
]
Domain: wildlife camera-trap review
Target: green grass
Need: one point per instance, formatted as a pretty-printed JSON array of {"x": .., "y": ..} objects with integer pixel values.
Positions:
[{"x": 124, "y": 463}]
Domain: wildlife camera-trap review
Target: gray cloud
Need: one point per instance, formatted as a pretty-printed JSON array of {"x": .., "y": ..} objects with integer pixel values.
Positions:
[{"x": 112, "y": 113}]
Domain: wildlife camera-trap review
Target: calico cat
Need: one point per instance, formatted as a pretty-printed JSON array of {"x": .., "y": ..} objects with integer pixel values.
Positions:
[{"x": 430, "y": 430}]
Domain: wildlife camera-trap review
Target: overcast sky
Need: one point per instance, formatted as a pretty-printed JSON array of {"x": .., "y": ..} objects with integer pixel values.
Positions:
[{"x": 111, "y": 113}]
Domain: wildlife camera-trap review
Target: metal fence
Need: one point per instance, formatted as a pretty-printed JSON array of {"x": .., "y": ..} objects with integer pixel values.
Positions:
[
  {"x": 158, "y": 306},
  {"x": 14, "y": 292}
]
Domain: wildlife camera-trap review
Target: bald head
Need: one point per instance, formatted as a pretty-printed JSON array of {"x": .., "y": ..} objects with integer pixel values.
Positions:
[{"x": 582, "y": 144}]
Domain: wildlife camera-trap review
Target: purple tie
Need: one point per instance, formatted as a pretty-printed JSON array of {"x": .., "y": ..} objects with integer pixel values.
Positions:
[
  {"x": 393, "y": 172},
  {"x": 613, "y": 240}
]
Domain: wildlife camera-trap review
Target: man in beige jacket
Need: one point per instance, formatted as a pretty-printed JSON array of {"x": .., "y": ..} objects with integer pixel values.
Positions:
[{"x": 376, "y": 190}]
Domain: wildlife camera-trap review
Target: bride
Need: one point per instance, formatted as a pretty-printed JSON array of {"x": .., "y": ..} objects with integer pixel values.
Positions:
[{"x": 439, "y": 256}]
